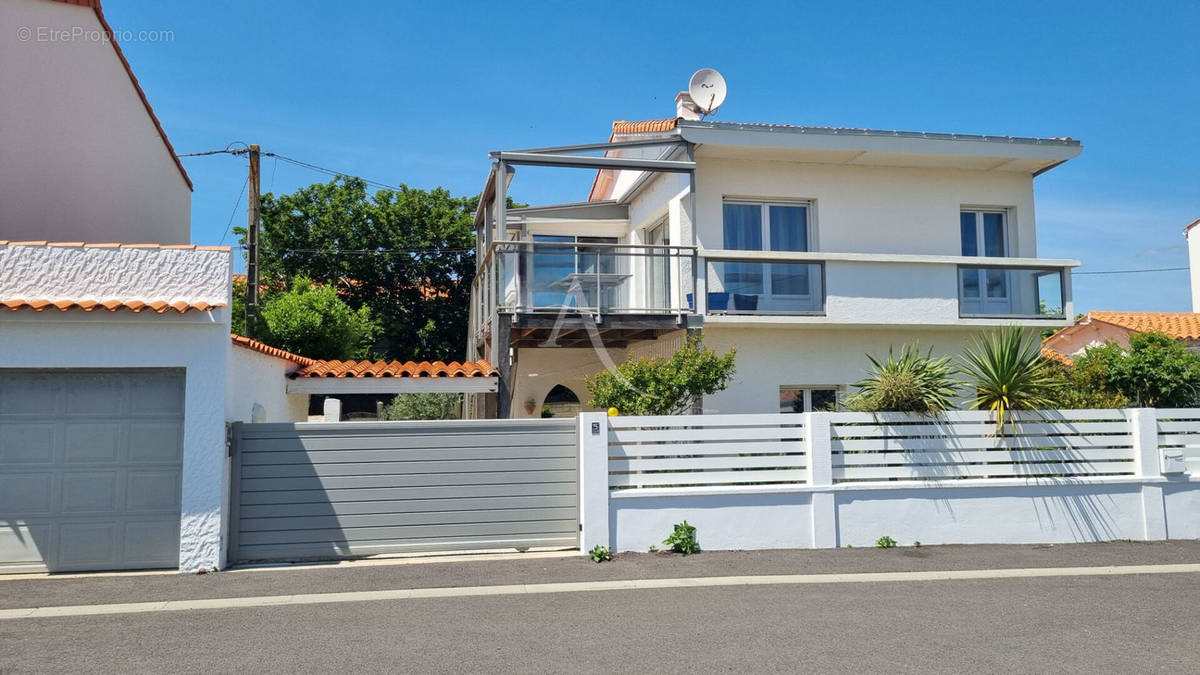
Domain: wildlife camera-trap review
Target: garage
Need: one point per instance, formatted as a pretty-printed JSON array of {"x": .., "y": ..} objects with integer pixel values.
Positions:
[{"x": 90, "y": 469}]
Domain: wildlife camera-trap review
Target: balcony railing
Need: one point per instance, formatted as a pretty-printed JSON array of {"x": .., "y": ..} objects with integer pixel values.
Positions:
[
  {"x": 745, "y": 287},
  {"x": 1011, "y": 292},
  {"x": 594, "y": 278}
]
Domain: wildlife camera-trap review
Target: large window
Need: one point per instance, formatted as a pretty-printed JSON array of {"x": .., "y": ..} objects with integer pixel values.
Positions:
[
  {"x": 758, "y": 226},
  {"x": 984, "y": 233},
  {"x": 561, "y": 271}
]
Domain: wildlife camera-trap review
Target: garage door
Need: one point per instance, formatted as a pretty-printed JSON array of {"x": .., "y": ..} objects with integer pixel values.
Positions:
[{"x": 90, "y": 469}]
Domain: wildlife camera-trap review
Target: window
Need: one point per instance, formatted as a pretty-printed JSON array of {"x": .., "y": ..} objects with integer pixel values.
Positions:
[
  {"x": 984, "y": 233},
  {"x": 554, "y": 268},
  {"x": 793, "y": 399},
  {"x": 754, "y": 226}
]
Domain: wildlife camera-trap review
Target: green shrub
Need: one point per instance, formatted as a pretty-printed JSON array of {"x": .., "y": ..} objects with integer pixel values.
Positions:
[
  {"x": 658, "y": 386},
  {"x": 908, "y": 383},
  {"x": 683, "y": 539},
  {"x": 312, "y": 321},
  {"x": 886, "y": 542},
  {"x": 600, "y": 553},
  {"x": 1156, "y": 372},
  {"x": 424, "y": 407}
]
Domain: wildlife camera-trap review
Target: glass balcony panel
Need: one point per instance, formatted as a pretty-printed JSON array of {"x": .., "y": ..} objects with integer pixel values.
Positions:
[
  {"x": 1010, "y": 292},
  {"x": 739, "y": 287}
]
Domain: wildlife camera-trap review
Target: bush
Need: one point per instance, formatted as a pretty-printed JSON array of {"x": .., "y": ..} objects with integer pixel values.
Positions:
[
  {"x": 910, "y": 383},
  {"x": 424, "y": 407},
  {"x": 1085, "y": 383},
  {"x": 1156, "y": 372},
  {"x": 886, "y": 542},
  {"x": 658, "y": 386},
  {"x": 1008, "y": 373},
  {"x": 683, "y": 539},
  {"x": 600, "y": 553},
  {"x": 312, "y": 321}
]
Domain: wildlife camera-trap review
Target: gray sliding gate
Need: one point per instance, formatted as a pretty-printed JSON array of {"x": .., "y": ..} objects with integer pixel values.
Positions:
[{"x": 313, "y": 491}]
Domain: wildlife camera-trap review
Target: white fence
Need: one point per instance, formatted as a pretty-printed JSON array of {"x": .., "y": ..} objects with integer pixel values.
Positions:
[{"x": 830, "y": 479}]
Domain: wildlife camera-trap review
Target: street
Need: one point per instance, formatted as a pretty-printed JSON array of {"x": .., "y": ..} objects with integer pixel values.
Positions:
[{"x": 1093, "y": 622}]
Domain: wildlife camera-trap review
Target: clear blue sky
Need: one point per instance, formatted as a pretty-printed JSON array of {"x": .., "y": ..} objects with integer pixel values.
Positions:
[{"x": 420, "y": 92}]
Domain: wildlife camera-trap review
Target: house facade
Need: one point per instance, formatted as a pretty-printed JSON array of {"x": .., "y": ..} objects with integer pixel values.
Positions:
[{"x": 803, "y": 247}]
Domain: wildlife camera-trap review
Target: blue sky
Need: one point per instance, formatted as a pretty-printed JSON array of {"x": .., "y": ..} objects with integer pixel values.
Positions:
[{"x": 420, "y": 92}]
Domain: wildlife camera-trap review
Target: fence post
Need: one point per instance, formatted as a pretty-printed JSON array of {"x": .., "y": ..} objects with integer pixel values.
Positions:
[
  {"x": 1143, "y": 427},
  {"x": 593, "y": 481},
  {"x": 820, "y": 475}
]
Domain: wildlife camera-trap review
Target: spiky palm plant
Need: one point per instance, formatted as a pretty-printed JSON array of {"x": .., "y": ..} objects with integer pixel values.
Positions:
[
  {"x": 1007, "y": 373},
  {"x": 912, "y": 382}
]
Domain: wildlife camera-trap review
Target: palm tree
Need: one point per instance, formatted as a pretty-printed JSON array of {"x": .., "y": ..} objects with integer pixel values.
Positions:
[
  {"x": 1007, "y": 373},
  {"x": 911, "y": 383}
]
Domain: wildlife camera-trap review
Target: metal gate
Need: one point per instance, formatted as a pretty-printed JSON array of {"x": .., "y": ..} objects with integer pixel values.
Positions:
[{"x": 320, "y": 491}]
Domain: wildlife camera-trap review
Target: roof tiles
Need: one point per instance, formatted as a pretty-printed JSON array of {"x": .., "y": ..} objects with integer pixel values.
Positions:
[
  {"x": 156, "y": 306},
  {"x": 264, "y": 348},
  {"x": 362, "y": 369},
  {"x": 1179, "y": 325}
]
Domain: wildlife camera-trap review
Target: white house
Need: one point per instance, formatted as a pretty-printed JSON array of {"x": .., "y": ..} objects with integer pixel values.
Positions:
[{"x": 804, "y": 247}]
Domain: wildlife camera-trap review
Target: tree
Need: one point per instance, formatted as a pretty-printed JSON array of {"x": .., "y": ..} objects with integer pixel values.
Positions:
[
  {"x": 312, "y": 321},
  {"x": 911, "y": 383},
  {"x": 431, "y": 406},
  {"x": 1156, "y": 372},
  {"x": 663, "y": 386},
  {"x": 407, "y": 254},
  {"x": 1007, "y": 373},
  {"x": 1085, "y": 383}
]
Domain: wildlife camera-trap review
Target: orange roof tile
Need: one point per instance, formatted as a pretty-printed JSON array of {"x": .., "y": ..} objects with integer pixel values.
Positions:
[
  {"x": 1191, "y": 225},
  {"x": 156, "y": 306},
  {"x": 108, "y": 33},
  {"x": 605, "y": 177},
  {"x": 342, "y": 369},
  {"x": 1052, "y": 355},
  {"x": 1179, "y": 325},
  {"x": 263, "y": 348}
]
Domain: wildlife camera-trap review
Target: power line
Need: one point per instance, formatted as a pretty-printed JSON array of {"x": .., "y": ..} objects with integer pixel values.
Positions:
[
  {"x": 296, "y": 162},
  {"x": 1157, "y": 269},
  {"x": 235, "y": 210}
]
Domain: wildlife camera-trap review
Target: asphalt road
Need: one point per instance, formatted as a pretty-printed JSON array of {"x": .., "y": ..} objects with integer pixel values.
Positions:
[{"x": 1133, "y": 623}]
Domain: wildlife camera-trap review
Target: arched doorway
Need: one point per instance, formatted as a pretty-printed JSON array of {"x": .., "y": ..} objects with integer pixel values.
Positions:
[{"x": 560, "y": 402}]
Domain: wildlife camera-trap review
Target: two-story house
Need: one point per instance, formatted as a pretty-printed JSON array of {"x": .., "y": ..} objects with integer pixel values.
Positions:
[{"x": 804, "y": 247}]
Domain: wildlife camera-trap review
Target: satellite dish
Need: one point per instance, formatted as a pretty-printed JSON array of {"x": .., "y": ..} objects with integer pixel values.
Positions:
[{"x": 707, "y": 88}]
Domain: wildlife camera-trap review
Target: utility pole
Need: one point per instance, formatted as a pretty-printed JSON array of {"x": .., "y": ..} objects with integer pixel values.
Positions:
[{"x": 252, "y": 221}]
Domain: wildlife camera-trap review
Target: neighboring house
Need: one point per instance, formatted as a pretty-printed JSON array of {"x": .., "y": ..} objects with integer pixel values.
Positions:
[
  {"x": 1097, "y": 328},
  {"x": 804, "y": 247}
]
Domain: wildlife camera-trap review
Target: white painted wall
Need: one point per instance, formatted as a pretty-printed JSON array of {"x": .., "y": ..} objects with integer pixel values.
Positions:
[
  {"x": 197, "y": 342},
  {"x": 1193, "y": 244},
  {"x": 771, "y": 356},
  {"x": 255, "y": 378},
  {"x": 83, "y": 160}
]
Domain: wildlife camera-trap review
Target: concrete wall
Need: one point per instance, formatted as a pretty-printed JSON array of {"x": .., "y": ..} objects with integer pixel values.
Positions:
[
  {"x": 83, "y": 160},
  {"x": 255, "y": 378},
  {"x": 197, "y": 342},
  {"x": 772, "y": 356}
]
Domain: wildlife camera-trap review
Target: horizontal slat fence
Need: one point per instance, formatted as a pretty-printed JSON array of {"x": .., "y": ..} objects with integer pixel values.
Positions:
[
  {"x": 706, "y": 450},
  {"x": 965, "y": 444},
  {"x": 1179, "y": 429},
  {"x": 311, "y": 491}
]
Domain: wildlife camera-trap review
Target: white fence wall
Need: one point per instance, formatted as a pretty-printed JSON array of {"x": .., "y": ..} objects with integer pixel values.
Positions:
[{"x": 837, "y": 479}]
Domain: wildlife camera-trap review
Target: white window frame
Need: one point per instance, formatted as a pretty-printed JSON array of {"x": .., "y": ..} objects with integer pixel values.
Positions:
[
  {"x": 1006, "y": 236},
  {"x": 808, "y": 389},
  {"x": 765, "y": 224}
]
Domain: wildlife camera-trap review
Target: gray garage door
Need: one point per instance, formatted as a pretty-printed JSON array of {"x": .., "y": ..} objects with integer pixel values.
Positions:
[
  {"x": 90, "y": 469},
  {"x": 312, "y": 491}
]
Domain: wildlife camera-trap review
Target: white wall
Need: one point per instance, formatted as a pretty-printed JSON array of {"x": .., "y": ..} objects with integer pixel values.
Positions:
[
  {"x": 771, "y": 356},
  {"x": 259, "y": 378},
  {"x": 1193, "y": 244},
  {"x": 538, "y": 370},
  {"x": 863, "y": 209},
  {"x": 197, "y": 342},
  {"x": 83, "y": 160},
  {"x": 187, "y": 274}
]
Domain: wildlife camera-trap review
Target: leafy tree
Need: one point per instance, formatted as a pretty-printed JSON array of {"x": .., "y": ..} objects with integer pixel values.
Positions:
[
  {"x": 312, "y": 321},
  {"x": 911, "y": 383},
  {"x": 1007, "y": 373},
  {"x": 431, "y": 406},
  {"x": 663, "y": 386},
  {"x": 1085, "y": 383},
  {"x": 407, "y": 254},
  {"x": 1156, "y": 372}
]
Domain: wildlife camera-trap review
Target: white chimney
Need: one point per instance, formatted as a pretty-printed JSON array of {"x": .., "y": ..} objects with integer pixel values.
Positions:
[
  {"x": 685, "y": 107},
  {"x": 1192, "y": 234}
]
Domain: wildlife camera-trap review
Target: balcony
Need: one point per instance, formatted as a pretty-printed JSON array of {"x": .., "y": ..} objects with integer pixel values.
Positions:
[
  {"x": 639, "y": 286},
  {"x": 882, "y": 289}
]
